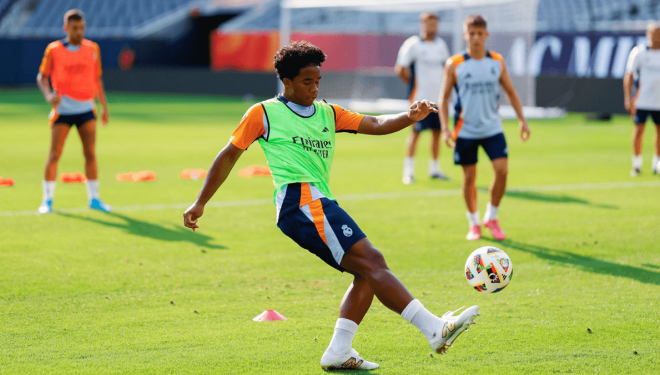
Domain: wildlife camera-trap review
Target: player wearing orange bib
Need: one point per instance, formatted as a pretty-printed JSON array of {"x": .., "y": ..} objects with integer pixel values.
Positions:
[{"x": 74, "y": 68}]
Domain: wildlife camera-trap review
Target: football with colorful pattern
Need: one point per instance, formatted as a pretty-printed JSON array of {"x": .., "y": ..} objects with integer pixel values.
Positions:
[{"x": 488, "y": 269}]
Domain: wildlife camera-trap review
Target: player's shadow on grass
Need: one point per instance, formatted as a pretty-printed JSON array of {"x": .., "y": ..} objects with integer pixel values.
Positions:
[
  {"x": 151, "y": 230},
  {"x": 551, "y": 198},
  {"x": 587, "y": 263}
]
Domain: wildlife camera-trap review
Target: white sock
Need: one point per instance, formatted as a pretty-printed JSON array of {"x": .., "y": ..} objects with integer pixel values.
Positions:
[
  {"x": 654, "y": 166},
  {"x": 491, "y": 212},
  {"x": 49, "y": 189},
  {"x": 637, "y": 161},
  {"x": 92, "y": 189},
  {"x": 434, "y": 166},
  {"x": 342, "y": 339},
  {"x": 473, "y": 218},
  {"x": 421, "y": 318},
  {"x": 409, "y": 166}
]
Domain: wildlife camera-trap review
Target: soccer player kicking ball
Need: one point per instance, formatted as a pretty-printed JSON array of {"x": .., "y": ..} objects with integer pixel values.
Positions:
[
  {"x": 477, "y": 74},
  {"x": 644, "y": 65},
  {"x": 74, "y": 68},
  {"x": 297, "y": 135}
]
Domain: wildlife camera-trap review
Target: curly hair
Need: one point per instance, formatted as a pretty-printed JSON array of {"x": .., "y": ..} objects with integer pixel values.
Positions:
[{"x": 296, "y": 55}]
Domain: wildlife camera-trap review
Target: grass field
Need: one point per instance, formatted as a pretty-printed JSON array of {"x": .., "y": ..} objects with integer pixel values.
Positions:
[{"x": 135, "y": 292}]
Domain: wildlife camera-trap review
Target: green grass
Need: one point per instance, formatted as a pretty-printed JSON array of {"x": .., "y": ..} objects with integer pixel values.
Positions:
[{"x": 134, "y": 292}]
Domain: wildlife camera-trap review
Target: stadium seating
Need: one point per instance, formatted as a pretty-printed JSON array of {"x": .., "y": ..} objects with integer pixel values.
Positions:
[
  {"x": 117, "y": 18},
  {"x": 574, "y": 15}
]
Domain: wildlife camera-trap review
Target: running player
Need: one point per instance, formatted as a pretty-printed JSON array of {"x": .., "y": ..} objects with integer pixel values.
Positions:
[
  {"x": 74, "y": 68},
  {"x": 644, "y": 67},
  {"x": 297, "y": 135},
  {"x": 418, "y": 66},
  {"x": 477, "y": 74}
]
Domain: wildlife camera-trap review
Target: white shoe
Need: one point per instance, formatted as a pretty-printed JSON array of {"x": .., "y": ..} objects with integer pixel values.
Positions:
[
  {"x": 46, "y": 207},
  {"x": 408, "y": 179},
  {"x": 450, "y": 327},
  {"x": 439, "y": 175},
  {"x": 349, "y": 361},
  {"x": 635, "y": 172}
]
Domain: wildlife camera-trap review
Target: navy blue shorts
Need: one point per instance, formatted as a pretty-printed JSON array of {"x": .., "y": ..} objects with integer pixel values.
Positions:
[
  {"x": 642, "y": 114},
  {"x": 323, "y": 228},
  {"x": 466, "y": 150},
  {"x": 76, "y": 120},
  {"x": 432, "y": 121}
]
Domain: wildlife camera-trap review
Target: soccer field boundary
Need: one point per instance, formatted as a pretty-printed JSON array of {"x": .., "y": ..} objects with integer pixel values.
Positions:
[{"x": 356, "y": 197}]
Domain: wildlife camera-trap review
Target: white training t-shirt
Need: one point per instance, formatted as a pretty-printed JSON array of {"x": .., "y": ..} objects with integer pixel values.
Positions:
[
  {"x": 644, "y": 64},
  {"x": 426, "y": 61}
]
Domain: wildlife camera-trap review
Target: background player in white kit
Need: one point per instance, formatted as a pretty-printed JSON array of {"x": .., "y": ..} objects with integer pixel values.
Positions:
[
  {"x": 477, "y": 75},
  {"x": 419, "y": 65},
  {"x": 644, "y": 68}
]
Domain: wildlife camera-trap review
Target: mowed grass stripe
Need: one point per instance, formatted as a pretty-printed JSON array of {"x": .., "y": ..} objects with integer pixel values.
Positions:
[{"x": 357, "y": 197}]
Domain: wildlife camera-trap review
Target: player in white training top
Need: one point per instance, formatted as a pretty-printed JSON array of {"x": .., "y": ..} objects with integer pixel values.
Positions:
[
  {"x": 419, "y": 65},
  {"x": 644, "y": 69}
]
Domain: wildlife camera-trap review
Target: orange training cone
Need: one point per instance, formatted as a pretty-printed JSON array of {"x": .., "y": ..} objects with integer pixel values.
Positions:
[
  {"x": 6, "y": 181},
  {"x": 269, "y": 315},
  {"x": 193, "y": 174},
  {"x": 73, "y": 178},
  {"x": 137, "y": 176},
  {"x": 254, "y": 171}
]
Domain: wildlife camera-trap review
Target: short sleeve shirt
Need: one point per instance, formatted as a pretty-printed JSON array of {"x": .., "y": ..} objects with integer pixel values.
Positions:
[
  {"x": 254, "y": 124},
  {"x": 426, "y": 61},
  {"x": 644, "y": 64}
]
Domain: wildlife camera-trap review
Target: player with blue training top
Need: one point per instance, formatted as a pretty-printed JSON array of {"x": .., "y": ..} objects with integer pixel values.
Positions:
[{"x": 477, "y": 75}]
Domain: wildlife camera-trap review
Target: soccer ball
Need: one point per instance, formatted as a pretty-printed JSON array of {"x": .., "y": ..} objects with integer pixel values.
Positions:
[{"x": 488, "y": 269}]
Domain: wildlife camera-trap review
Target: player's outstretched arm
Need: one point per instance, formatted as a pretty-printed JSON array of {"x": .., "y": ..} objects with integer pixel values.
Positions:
[
  {"x": 217, "y": 175},
  {"x": 388, "y": 124},
  {"x": 514, "y": 100},
  {"x": 448, "y": 81}
]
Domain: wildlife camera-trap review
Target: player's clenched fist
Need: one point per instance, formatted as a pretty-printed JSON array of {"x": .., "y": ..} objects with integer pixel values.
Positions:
[
  {"x": 191, "y": 215},
  {"x": 419, "y": 110}
]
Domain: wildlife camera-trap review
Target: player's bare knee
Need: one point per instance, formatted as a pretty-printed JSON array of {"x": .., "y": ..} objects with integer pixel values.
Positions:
[
  {"x": 89, "y": 155},
  {"x": 501, "y": 173},
  {"x": 54, "y": 156}
]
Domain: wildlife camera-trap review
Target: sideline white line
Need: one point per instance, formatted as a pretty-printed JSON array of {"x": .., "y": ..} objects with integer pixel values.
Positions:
[{"x": 355, "y": 197}]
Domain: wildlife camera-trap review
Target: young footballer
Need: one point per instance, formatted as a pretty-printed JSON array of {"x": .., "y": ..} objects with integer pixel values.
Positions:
[
  {"x": 297, "y": 134},
  {"x": 644, "y": 66},
  {"x": 418, "y": 65},
  {"x": 74, "y": 68},
  {"x": 477, "y": 75}
]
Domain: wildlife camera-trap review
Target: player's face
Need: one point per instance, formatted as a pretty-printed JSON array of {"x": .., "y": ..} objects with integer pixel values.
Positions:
[
  {"x": 475, "y": 36},
  {"x": 75, "y": 30},
  {"x": 304, "y": 88},
  {"x": 429, "y": 26},
  {"x": 653, "y": 35}
]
